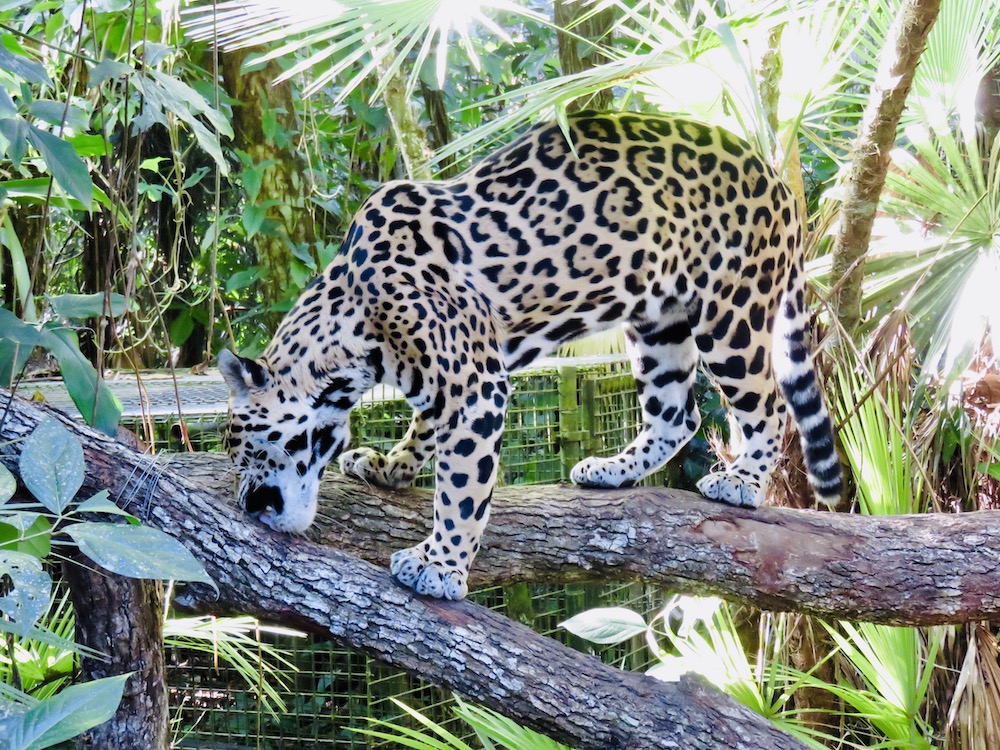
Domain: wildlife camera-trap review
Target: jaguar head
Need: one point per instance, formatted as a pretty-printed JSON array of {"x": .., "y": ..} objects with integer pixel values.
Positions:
[{"x": 281, "y": 440}]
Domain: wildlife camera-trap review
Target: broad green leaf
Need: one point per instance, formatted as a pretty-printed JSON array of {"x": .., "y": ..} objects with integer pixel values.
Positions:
[
  {"x": 28, "y": 599},
  {"x": 98, "y": 405},
  {"x": 68, "y": 169},
  {"x": 109, "y": 68},
  {"x": 56, "y": 113},
  {"x": 62, "y": 717},
  {"x": 137, "y": 552},
  {"x": 25, "y": 69},
  {"x": 82, "y": 306},
  {"x": 23, "y": 531},
  {"x": 253, "y": 219},
  {"x": 13, "y": 357},
  {"x": 14, "y": 329},
  {"x": 15, "y": 131},
  {"x": 51, "y": 465},
  {"x": 7, "y": 106},
  {"x": 605, "y": 625},
  {"x": 7, "y": 484},
  {"x": 20, "y": 274},
  {"x": 164, "y": 93},
  {"x": 86, "y": 144},
  {"x": 37, "y": 190},
  {"x": 181, "y": 327},
  {"x": 992, "y": 469},
  {"x": 100, "y": 503},
  {"x": 242, "y": 279}
]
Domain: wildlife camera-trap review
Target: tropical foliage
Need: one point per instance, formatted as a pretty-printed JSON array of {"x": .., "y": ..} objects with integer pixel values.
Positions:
[{"x": 160, "y": 199}]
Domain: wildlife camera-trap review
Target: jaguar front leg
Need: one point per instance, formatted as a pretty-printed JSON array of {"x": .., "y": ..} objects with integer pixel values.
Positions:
[
  {"x": 468, "y": 448},
  {"x": 400, "y": 465}
]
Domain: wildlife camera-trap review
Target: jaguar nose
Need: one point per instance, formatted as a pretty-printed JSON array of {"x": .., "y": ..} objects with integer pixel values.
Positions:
[{"x": 264, "y": 498}]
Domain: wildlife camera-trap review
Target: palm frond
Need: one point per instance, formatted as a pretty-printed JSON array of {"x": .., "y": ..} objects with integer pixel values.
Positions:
[{"x": 352, "y": 38}]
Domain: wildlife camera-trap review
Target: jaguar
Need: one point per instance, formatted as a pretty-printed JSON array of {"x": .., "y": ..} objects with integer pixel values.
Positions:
[{"x": 675, "y": 229}]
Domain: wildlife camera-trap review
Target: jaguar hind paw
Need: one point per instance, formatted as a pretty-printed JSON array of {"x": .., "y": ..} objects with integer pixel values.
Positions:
[{"x": 731, "y": 489}]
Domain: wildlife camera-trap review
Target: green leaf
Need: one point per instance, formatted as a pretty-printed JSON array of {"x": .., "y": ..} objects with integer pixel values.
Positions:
[
  {"x": 37, "y": 190},
  {"x": 253, "y": 219},
  {"x": 97, "y": 404},
  {"x": 137, "y": 552},
  {"x": 66, "y": 167},
  {"x": 109, "y": 68},
  {"x": 992, "y": 469},
  {"x": 57, "y": 114},
  {"x": 25, "y": 69},
  {"x": 7, "y": 106},
  {"x": 62, "y": 717},
  {"x": 242, "y": 279},
  {"x": 100, "y": 503},
  {"x": 30, "y": 533},
  {"x": 7, "y": 484},
  {"x": 15, "y": 131},
  {"x": 86, "y": 144},
  {"x": 28, "y": 599},
  {"x": 605, "y": 625},
  {"x": 181, "y": 327},
  {"x": 51, "y": 465},
  {"x": 82, "y": 306},
  {"x": 164, "y": 93}
]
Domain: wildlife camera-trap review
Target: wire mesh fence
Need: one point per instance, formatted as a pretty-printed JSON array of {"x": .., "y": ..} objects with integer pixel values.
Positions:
[{"x": 558, "y": 413}]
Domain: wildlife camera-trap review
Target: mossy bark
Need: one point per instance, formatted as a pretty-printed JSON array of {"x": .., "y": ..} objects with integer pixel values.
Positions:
[
  {"x": 876, "y": 136},
  {"x": 265, "y": 128}
]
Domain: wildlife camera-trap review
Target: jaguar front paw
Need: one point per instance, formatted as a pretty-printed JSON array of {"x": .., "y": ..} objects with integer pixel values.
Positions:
[
  {"x": 731, "y": 489},
  {"x": 412, "y": 569},
  {"x": 603, "y": 472}
]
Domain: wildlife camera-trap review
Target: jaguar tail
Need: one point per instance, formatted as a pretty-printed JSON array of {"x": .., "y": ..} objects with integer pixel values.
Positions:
[{"x": 794, "y": 370}]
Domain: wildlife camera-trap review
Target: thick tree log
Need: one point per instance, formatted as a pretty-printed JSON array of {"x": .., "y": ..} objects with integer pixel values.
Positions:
[
  {"x": 905, "y": 570},
  {"x": 481, "y": 654}
]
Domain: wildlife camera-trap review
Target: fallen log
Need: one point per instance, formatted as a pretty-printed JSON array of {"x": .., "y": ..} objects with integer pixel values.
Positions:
[
  {"x": 923, "y": 569},
  {"x": 501, "y": 664}
]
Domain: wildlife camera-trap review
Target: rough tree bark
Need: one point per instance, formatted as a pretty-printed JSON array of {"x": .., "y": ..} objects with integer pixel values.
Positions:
[
  {"x": 905, "y": 570},
  {"x": 577, "y": 23},
  {"x": 122, "y": 618},
  {"x": 877, "y": 133},
  {"x": 481, "y": 654}
]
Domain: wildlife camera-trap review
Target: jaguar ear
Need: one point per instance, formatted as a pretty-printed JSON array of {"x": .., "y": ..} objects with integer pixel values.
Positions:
[{"x": 241, "y": 374}]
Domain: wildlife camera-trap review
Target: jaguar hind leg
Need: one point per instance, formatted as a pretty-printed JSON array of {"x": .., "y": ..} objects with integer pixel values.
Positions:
[
  {"x": 400, "y": 465},
  {"x": 663, "y": 356},
  {"x": 741, "y": 368}
]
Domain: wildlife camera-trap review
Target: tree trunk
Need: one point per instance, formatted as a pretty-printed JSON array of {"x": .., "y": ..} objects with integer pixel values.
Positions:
[
  {"x": 122, "y": 618},
  {"x": 411, "y": 138},
  {"x": 567, "y": 695},
  {"x": 574, "y": 54},
  {"x": 283, "y": 191},
  {"x": 876, "y": 136}
]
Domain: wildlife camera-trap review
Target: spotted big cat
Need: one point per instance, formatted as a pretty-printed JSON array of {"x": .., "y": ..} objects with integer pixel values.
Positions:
[{"x": 673, "y": 229}]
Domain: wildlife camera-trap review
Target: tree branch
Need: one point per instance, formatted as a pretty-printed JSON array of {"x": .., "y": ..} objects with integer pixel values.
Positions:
[
  {"x": 922, "y": 569},
  {"x": 863, "y": 187},
  {"x": 567, "y": 695}
]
